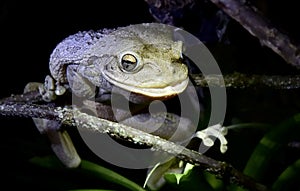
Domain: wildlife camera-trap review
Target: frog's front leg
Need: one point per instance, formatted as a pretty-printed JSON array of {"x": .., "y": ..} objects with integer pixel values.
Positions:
[
  {"x": 61, "y": 142},
  {"x": 50, "y": 90},
  {"x": 216, "y": 131}
]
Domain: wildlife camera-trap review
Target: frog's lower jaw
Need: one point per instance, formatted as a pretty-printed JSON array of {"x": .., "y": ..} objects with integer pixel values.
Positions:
[
  {"x": 154, "y": 92},
  {"x": 165, "y": 91},
  {"x": 131, "y": 97}
]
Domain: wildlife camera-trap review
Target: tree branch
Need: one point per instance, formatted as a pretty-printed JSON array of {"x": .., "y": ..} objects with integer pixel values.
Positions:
[
  {"x": 23, "y": 106},
  {"x": 238, "y": 80},
  {"x": 73, "y": 117},
  {"x": 259, "y": 26},
  {"x": 247, "y": 16}
]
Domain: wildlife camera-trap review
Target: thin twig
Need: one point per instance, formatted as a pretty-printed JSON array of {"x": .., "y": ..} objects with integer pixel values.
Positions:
[
  {"x": 34, "y": 96},
  {"x": 73, "y": 117},
  {"x": 238, "y": 80},
  {"x": 248, "y": 16},
  {"x": 259, "y": 26}
]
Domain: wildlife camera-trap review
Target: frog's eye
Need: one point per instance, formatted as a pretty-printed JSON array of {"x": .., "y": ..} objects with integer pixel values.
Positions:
[{"x": 128, "y": 62}]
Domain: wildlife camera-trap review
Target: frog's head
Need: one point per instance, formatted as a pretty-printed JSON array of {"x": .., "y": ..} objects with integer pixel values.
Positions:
[
  {"x": 151, "y": 70},
  {"x": 149, "y": 62}
]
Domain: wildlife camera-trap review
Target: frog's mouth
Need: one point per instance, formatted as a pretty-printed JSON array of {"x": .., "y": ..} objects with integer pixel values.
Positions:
[{"x": 155, "y": 92}]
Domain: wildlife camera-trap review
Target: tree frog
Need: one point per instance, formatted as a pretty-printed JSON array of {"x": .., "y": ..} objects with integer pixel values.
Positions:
[{"x": 142, "y": 59}]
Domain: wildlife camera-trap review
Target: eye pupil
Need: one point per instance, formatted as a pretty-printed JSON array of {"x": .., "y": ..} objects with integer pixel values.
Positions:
[
  {"x": 128, "y": 62},
  {"x": 127, "y": 65}
]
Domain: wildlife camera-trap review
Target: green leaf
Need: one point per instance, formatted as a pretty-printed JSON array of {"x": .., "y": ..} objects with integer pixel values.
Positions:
[
  {"x": 270, "y": 146},
  {"x": 156, "y": 176},
  {"x": 109, "y": 175},
  {"x": 50, "y": 162},
  {"x": 91, "y": 190},
  {"x": 288, "y": 178},
  {"x": 192, "y": 180},
  {"x": 179, "y": 176},
  {"x": 215, "y": 183},
  {"x": 90, "y": 169}
]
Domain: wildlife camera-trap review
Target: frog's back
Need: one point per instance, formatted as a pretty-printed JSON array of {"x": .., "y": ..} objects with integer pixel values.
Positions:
[
  {"x": 71, "y": 51},
  {"x": 77, "y": 48},
  {"x": 149, "y": 33}
]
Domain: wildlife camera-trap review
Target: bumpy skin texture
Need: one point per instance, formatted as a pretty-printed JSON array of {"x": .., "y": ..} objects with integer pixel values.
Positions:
[
  {"x": 95, "y": 58},
  {"x": 141, "y": 59}
]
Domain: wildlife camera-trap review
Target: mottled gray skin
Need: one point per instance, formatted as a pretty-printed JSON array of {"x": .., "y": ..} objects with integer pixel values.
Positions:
[{"x": 91, "y": 58}]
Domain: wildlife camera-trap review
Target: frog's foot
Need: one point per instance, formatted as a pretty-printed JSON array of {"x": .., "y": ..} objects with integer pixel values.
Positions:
[
  {"x": 49, "y": 90},
  {"x": 216, "y": 131},
  {"x": 61, "y": 142},
  {"x": 64, "y": 149}
]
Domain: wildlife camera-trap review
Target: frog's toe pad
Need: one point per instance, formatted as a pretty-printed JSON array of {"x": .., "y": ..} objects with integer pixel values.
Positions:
[
  {"x": 216, "y": 131},
  {"x": 49, "y": 90}
]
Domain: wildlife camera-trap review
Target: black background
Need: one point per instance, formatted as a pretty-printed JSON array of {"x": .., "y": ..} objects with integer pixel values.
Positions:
[{"x": 30, "y": 31}]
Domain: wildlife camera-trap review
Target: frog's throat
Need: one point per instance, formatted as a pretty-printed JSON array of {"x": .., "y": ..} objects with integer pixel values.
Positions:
[{"x": 154, "y": 91}]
